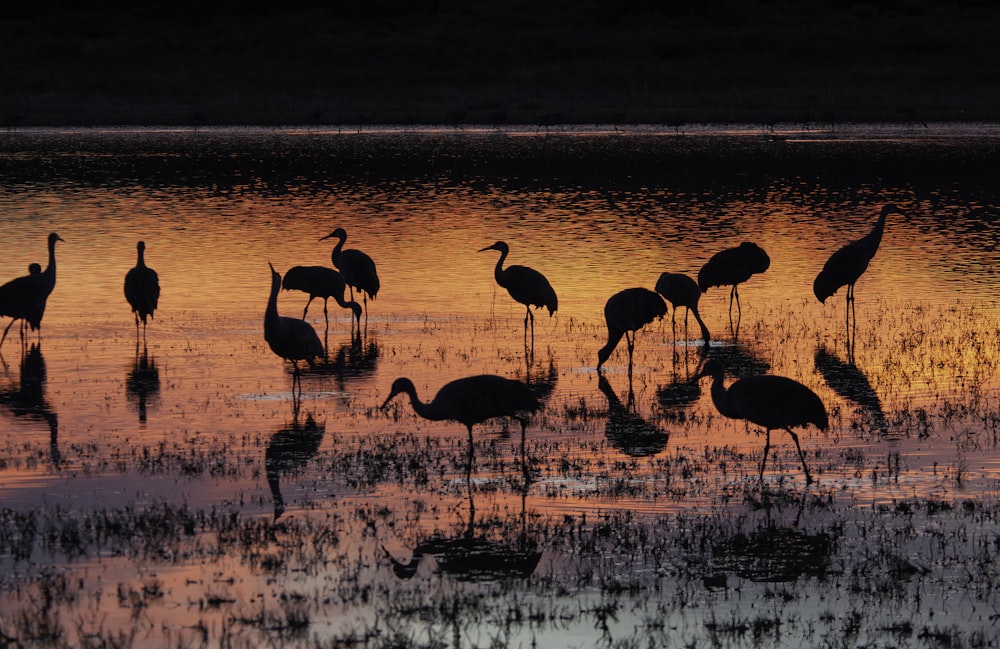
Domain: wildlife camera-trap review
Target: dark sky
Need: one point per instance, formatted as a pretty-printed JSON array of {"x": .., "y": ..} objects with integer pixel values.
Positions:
[{"x": 520, "y": 62}]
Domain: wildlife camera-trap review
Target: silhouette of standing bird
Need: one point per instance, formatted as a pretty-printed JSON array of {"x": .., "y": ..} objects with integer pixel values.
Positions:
[
  {"x": 289, "y": 338},
  {"x": 24, "y": 298},
  {"x": 846, "y": 266},
  {"x": 732, "y": 267},
  {"x": 625, "y": 313},
  {"x": 768, "y": 401},
  {"x": 357, "y": 268},
  {"x": 142, "y": 289},
  {"x": 682, "y": 291},
  {"x": 320, "y": 281},
  {"x": 526, "y": 285}
]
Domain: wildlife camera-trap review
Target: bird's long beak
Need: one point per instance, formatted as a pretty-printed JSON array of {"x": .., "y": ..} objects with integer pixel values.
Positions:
[
  {"x": 493, "y": 247},
  {"x": 327, "y": 236}
]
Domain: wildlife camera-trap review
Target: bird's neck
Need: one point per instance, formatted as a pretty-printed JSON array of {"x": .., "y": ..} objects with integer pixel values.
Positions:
[
  {"x": 51, "y": 268},
  {"x": 140, "y": 261},
  {"x": 874, "y": 237},
  {"x": 498, "y": 270},
  {"x": 338, "y": 249},
  {"x": 720, "y": 395},
  {"x": 271, "y": 313}
]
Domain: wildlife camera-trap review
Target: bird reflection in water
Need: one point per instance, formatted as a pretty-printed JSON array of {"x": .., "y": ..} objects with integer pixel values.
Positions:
[
  {"x": 288, "y": 452},
  {"x": 142, "y": 383},
  {"x": 680, "y": 394},
  {"x": 352, "y": 360},
  {"x": 27, "y": 399},
  {"x": 849, "y": 382},
  {"x": 541, "y": 380},
  {"x": 625, "y": 429}
]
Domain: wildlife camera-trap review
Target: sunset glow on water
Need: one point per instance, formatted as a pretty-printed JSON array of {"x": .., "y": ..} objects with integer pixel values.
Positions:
[{"x": 90, "y": 425}]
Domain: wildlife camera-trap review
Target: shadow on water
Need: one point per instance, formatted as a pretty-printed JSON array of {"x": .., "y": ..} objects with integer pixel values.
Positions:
[
  {"x": 625, "y": 429},
  {"x": 26, "y": 398},
  {"x": 142, "y": 383},
  {"x": 354, "y": 360},
  {"x": 850, "y": 383},
  {"x": 288, "y": 451}
]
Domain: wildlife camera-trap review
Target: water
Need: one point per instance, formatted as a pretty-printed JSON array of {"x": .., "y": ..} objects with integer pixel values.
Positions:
[{"x": 198, "y": 432}]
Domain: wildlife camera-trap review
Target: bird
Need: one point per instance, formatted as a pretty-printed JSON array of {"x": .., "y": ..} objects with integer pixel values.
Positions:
[
  {"x": 289, "y": 338},
  {"x": 142, "y": 289},
  {"x": 625, "y": 313},
  {"x": 320, "y": 281},
  {"x": 768, "y": 401},
  {"x": 846, "y": 266},
  {"x": 680, "y": 290},
  {"x": 732, "y": 267},
  {"x": 472, "y": 400},
  {"x": 24, "y": 298},
  {"x": 357, "y": 268},
  {"x": 526, "y": 285}
]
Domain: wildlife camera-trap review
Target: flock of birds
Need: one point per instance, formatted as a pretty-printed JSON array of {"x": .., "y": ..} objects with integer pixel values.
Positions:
[{"x": 771, "y": 402}]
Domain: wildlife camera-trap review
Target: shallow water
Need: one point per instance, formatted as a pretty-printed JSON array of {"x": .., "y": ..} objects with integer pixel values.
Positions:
[{"x": 205, "y": 419}]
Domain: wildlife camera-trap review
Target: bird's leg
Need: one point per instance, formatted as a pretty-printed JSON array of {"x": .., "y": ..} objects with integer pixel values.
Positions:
[
  {"x": 306, "y": 310},
  {"x": 5, "y": 333},
  {"x": 468, "y": 473},
  {"x": 326, "y": 317},
  {"x": 802, "y": 456},
  {"x": 767, "y": 447}
]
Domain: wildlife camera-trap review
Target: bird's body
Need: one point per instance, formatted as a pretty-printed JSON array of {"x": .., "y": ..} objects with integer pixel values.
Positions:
[
  {"x": 357, "y": 268},
  {"x": 323, "y": 282},
  {"x": 24, "y": 298},
  {"x": 142, "y": 288},
  {"x": 769, "y": 401},
  {"x": 289, "y": 338},
  {"x": 525, "y": 285},
  {"x": 732, "y": 267},
  {"x": 682, "y": 291},
  {"x": 846, "y": 266},
  {"x": 625, "y": 313}
]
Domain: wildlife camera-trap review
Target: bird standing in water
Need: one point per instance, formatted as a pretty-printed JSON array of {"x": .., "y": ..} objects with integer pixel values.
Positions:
[
  {"x": 142, "y": 289},
  {"x": 769, "y": 401},
  {"x": 625, "y": 313},
  {"x": 682, "y": 291},
  {"x": 24, "y": 298},
  {"x": 357, "y": 268},
  {"x": 732, "y": 267},
  {"x": 289, "y": 338},
  {"x": 320, "y": 281},
  {"x": 846, "y": 266},
  {"x": 526, "y": 285}
]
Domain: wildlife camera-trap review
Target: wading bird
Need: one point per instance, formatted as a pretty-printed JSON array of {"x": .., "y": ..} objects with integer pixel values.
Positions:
[
  {"x": 526, "y": 285},
  {"x": 142, "y": 289},
  {"x": 473, "y": 400},
  {"x": 289, "y": 338},
  {"x": 625, "y": 313},
  {"x": 24, "y": 298},
  {"x": 320, "y": 281},
  {"x": 846, "y": 266},
  {"x": 768, "y": 401},
  {"x": 732, "y": 267},
  {"x": 682, "y": 291},
  {"x": 357, "y": 268}
]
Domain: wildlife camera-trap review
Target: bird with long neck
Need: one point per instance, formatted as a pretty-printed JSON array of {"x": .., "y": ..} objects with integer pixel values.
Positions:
[
  {"x": 768, "y": 401},
  {"x": 24, "y": 298},
  {"x": 625, "y": 313},
  {"x": 732, "y": 267},
  {"x": 357, "y": 268},
  {"x": 322, "y": 282},
  {"x": 142, "y": 289},
  {"x": 289, "y": 338},
  {"x": 682, "y": 291},
  {"x": 525, "y": 285},
  {"x": 846, "y": 266}
]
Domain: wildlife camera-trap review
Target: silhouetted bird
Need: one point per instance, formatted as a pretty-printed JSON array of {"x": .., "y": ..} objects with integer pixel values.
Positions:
[
  {"x": 142, "y": 289},
  {"x": 768, "y": 401},
  {"x": 24, "y": 298},
  {"x": 732, "y": 267},
  {"x": 526, "y": 285},
  {"x": 357, "y": 268},
  {"x": 680, "y": 290},
  {"x": 625, "y": 313},
  {"x": 289, "y": 450},
  {"x": 290, "y": 338},
  {"x": 846, "y": 266},
  {"x": 320, "y": 281}
]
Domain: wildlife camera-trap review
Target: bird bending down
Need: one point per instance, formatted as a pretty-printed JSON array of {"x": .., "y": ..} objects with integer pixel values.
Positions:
[
  {"x": 526, "y": 285},
  {"x": 732, "y": 267},
  {"x": 289, "y": 338},
  {"x": 320, "y": 281},
  {"x": 682, "y": 291},
  {"x": 625, "y": 313},
  {"x": 24, "y": 298},
  {"x": 357, "y": 268},
  {"x": 768, "y": 401},
  {"x": 846, "y": 266},
  {"x": 142, "y": 289}
]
